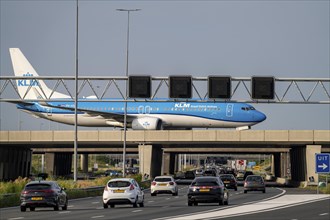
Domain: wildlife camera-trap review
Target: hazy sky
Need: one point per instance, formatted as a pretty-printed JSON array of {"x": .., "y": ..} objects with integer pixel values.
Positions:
[{"x": 200, "y": 38}]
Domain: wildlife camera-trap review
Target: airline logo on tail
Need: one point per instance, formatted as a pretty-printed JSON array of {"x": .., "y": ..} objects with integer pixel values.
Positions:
[{"x": 27, "y": 82}]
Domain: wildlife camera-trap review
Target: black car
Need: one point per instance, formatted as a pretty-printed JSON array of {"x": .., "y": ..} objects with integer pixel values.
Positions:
[
  {"x": 43, "y": 194},
  {"x": 229, "y": 180},
  {"x": 207, "y": 189},
  {"x": 211, "y": 172}
]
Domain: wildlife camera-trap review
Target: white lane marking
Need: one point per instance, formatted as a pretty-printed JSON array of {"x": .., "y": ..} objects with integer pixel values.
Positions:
[
  {"x": 265, "y": 205},
  {"x": 150, "y": 201},
  {"x": 64, "y": 212},
  {"x": 98, "y": 216},
  {"x": 257, "y": 207},
  {"x": 95, "y": 202},
  {"x": 167, "y": 198},
  {"x": 15, "y": 218},
  {"x": 100, "y": 208},
  {"x": 324, "y": 214},
  {"x": 139, "y": 210},
  {"x": 70, "y": 206}
]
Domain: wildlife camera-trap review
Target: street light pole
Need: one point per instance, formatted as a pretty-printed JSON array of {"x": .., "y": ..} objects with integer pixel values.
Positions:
[
  {"x": 75, "y": 150},
  {"x": 125, "y": 107}
]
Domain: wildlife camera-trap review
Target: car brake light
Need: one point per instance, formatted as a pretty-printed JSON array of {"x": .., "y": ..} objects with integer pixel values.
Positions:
[
  {"x": 153, "y": 183},
  {"x": 131, "y": 187},
  {"x": 25, "y": 192},
  {"x": 171, "y": 183}
]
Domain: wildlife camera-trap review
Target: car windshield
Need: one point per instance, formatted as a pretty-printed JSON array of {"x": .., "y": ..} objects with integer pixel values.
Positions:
[
  {"x": 119, "y": 184},
  {"x": 163, "y": 179},
  {"x": 254, "y": 179},
  {"x": 37, "y": 186}
]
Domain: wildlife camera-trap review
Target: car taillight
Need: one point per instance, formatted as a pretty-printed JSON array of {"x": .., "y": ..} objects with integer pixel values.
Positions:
[
  {"x": 25, "y": 192},
  {"x": 171, "y": 183},
  {"x": 153, "y": 183},
  {"x": 106, "y": 188},
  {"x": 131, "y": 187}
]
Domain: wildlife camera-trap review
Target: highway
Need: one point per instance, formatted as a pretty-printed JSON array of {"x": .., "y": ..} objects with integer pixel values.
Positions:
[{"x": 276, "y": 203}]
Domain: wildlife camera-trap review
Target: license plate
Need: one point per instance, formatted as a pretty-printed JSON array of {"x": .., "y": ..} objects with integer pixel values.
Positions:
[
  {"x": 162, "y": 184},
  {"x": 119, "y": 191},
  {"x": 204, "y": 190},
  {"x": 36, "y": 198},
  {"x": 226, "y": 181}
]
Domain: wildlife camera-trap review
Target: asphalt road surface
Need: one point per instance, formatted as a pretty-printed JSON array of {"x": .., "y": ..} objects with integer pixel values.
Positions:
[{"x": 276, "y": 203}]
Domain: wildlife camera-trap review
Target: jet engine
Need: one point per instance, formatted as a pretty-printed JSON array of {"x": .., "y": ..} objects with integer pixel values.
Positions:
[{"x": 147, "y": 123}]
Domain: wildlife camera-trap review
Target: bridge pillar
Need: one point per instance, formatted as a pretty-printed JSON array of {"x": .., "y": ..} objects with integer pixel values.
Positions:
[
  {"x": 168, "y": 163},
  {"x": 15, "y": 162},
  {"x": 150, "y": 157},
  {"x": 84, "y": 163},
  {"x": 311, "y": 150},
  {"x": 281, "y": 165},
  {"x": 58, "y": 164}
]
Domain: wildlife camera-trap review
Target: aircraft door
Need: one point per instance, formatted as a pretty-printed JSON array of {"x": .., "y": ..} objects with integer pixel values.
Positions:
[
  {"x": 49, "y": 111},
  {"x": 230, "y": 110},
  {"x": 147, "y": 109},
  {"x": 141, "y": 109}
]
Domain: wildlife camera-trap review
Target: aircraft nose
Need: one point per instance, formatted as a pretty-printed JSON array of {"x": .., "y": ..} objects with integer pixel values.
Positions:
[{"x": 259, "y": 116}]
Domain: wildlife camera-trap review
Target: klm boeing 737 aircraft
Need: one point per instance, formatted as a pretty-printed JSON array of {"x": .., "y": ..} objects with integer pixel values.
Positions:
[{"x": 140, "y": 115}]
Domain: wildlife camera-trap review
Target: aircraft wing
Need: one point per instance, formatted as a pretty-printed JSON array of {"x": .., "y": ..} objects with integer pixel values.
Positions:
[
  {"x": 93, "y": 113},
  {"x": 22, "y": 103}
]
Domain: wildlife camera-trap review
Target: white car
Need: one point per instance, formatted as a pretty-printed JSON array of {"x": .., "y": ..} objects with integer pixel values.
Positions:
[
  {"x": 122, "y": 191},
  {"x": 164, "y": 184}
]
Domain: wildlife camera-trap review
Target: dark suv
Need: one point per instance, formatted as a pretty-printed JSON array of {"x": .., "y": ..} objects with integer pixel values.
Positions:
[
  {"x": 207, "y": 189},
  {"x": 43, "y": 194}
]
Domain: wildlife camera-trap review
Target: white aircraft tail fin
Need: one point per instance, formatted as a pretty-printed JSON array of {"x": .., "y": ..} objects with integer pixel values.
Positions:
[{"x": 34, "y": 88}]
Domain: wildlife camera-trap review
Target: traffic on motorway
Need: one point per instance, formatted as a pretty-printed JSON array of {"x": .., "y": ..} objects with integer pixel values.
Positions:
[{"x": 210, "y": 193}]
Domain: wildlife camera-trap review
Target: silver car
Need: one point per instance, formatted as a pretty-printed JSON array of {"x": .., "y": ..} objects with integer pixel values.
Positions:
[
  {"x": 164, "y": 184},
  {"x": 254, "y": 183}
]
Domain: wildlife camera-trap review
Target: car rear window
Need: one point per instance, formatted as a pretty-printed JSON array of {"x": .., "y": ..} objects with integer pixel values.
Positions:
[
  {"x": 119, "y": 184},
  {"x": 163, "y": 179},
  {"x": 204, "y": 183},
  {"x": 37, "y": 186},
  {"x": 254, "y": 178}
]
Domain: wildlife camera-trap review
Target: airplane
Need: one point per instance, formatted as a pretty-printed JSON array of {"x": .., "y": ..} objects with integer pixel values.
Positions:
[{"x": 151, "y": 115}]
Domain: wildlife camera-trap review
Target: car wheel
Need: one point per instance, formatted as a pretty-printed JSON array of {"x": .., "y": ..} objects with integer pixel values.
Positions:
[
  {"x": 226, "y": 202},
  {"x": 65, "y": 207},
  {"x": 141, "y": 204},
  {"x": 153, "y": 194},
  {"x": 189, "y": 203},
  {"x": 221, "y": 202},
  {"x": 135, "y": 203},
  {"x": 195, "y": 203},
  {"x": 105, "y": 206},
  {"x": 235, "y": 188},
  {"x": 245, "y": 191},
  {"x": 264, "y": 191},
  {"x": 23, "y": 208},
  {"x": 32, "y": 209},
  {"x": 112, "y": 205}
]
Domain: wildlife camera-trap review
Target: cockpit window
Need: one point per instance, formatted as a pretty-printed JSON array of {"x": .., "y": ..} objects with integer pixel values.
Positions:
[{"x": 248, "y": 108}]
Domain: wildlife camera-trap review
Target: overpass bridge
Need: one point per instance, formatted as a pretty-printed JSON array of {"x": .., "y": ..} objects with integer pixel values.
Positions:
[{"x": 158, "y": 150}]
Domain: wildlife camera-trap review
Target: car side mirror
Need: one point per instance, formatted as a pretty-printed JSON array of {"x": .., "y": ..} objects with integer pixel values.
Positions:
[{"x": 63, "y": 188}]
